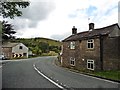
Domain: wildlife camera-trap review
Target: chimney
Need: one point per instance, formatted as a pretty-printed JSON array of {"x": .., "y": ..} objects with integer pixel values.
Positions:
[
  {"x": 74, "y": 30},
  {"x": 91, "y": 26}
]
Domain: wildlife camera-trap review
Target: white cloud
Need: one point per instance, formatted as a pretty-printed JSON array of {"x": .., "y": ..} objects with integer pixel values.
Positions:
[
  {"x": 69, "y": 13},
  {"x": 119, "y": 13}
]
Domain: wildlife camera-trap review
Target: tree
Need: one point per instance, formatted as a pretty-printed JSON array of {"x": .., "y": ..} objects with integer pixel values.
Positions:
[
  {"x": 54, "y": 48},
  {"x": 10, "y": 9},
  {"x": 44, "y": 47},
  {"x": 7, "y": 31}
]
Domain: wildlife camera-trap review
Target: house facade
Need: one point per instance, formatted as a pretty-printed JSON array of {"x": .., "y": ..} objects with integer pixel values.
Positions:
[
  {"x": 95, "y": 49},
  {"x": 0, "y": 38},
  {"x": 14, "y": 50}
]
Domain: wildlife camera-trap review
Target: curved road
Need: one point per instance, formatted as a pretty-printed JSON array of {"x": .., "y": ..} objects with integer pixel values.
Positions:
[{"x": 22, "y": 74}]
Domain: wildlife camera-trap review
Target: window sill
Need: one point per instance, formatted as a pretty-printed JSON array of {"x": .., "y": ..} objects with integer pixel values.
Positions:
[
  {"x": 90, "y": 49},
  {"x": 72, "y": 49},
  {"x": 90, "y": 69},
  {"x": 72, "y": 65}
]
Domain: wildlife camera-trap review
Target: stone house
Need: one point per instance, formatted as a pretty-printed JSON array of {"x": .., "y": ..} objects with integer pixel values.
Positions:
[
  {"x": 95, "y": 49},
  {"x": 14, "y": 50},
  {"x": 0, "y": 38}
]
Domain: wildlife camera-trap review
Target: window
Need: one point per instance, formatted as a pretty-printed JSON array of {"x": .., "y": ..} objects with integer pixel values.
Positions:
[
  {"x": 72, "y": 61},
  {"x": 72, "y": 45},
  {"x": 20, "y": 47},
  {"x": 90, "y": 64},
  {"x": 90, "y": 44},
  {"x": 24, "y": 54}
]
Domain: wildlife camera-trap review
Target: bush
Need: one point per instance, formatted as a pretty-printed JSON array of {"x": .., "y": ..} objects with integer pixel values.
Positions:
[{"x": 51, "y": 53}]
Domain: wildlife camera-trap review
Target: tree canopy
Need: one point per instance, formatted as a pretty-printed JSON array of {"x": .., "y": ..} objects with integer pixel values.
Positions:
[
  {"x": 7, "y": 31},
  {"x": 10, "y": 9}
]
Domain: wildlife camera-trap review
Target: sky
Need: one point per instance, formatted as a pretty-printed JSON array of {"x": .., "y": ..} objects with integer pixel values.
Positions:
[{"x": 54, "y": 19}]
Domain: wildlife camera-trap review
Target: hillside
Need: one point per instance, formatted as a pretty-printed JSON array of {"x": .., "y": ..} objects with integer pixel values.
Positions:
[{"x": 41, "y": 46}]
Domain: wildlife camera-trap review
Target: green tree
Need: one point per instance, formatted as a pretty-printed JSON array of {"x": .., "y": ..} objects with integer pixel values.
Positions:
[
  {"x": 36, "y": 50},
  {"x": 7, "y": 31},
  {"x": 54, "y": 48},
  {"x": 44, "y": 47},
  {"x": 10, "y": 9}
]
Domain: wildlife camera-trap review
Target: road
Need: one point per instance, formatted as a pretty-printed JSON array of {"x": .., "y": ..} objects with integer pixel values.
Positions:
[
  {"x": 21, "y": 74},
  {"x": 0, "y": 75},
  {"x": 28, "y": 74}
]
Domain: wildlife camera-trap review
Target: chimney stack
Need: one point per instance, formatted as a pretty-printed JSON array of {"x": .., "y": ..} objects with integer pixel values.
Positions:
[
  {"x": 91, "y": 26},
  {"x": 74, "y": 30}
]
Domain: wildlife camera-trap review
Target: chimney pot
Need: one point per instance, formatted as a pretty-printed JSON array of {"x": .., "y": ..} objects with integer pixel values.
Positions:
[
  {"x": 91, "y": 26},
  {"x": 74, "y": 30}
]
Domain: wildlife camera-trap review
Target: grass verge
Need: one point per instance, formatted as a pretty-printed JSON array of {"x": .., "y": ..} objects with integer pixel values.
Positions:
[{"x": 114, "y": 75}]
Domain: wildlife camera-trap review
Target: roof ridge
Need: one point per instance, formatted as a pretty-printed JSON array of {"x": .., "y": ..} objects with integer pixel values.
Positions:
[
  {"x": 96, "y": 32},
  {"x": 107, "y": 26},
  {"x": 82, "y": 32},
  {"x": 9, "y": 44}
]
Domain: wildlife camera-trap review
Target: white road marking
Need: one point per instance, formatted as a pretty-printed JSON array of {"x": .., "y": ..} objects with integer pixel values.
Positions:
[
  {"x": 0, "y": 63},
  {"x": 48, "y": 78},
  {"x": 0, "y": 66},
  {"x": 15, "y": 60}
]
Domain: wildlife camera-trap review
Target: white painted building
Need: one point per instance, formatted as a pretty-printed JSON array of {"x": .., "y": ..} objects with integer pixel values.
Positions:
[{"x": 15, "y": 50}]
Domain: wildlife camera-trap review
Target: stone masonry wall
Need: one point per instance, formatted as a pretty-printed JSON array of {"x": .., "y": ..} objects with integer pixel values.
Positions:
[
  {"x": 7, "y": 52},
  {"x": 81, "y": 54},
  {"x": 111, "y": 53}
]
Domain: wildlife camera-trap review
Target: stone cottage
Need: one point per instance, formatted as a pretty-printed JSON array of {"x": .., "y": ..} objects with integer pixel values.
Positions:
[
  {"x": 95, "y": 49},
  {"x": 15, "y": 50}
]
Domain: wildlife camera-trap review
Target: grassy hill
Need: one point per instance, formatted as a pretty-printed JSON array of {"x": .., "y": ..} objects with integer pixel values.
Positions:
[{"x": 41, "y": 46}]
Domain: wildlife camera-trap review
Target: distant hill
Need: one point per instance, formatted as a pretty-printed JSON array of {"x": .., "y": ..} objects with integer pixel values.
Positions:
[{"x": 40, "y": 46}]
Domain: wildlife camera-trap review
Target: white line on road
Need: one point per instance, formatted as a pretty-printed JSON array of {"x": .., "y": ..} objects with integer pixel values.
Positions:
[
  {"x": 48, "y": 78},
  {"x": 0, "y": 66}
]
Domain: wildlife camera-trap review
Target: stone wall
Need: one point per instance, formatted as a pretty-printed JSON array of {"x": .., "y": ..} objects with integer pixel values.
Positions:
[
  {"x": 7, "y": 52},
  {"x": 111, "y": 53},
  {"x": 92, "y": 54},
  {"x": 81, "y": 54}
]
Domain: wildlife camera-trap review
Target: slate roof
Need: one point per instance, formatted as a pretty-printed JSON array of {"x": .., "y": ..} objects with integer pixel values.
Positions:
[
  {"x": 96, "y": 32},
  {"x": 10, "y": 45}
]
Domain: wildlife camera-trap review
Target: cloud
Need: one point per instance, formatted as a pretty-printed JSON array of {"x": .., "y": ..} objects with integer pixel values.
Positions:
[
  {"x": 60, "y": 36},
  {"x": 119, "y": 13},
  {"x": 37, "y": 11},
  {"x": 55, "y": 18},
  {"x": 119, "y": 6},
  {"x": 102, "y": 13},
  {"x": 90, "y": 10}
]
